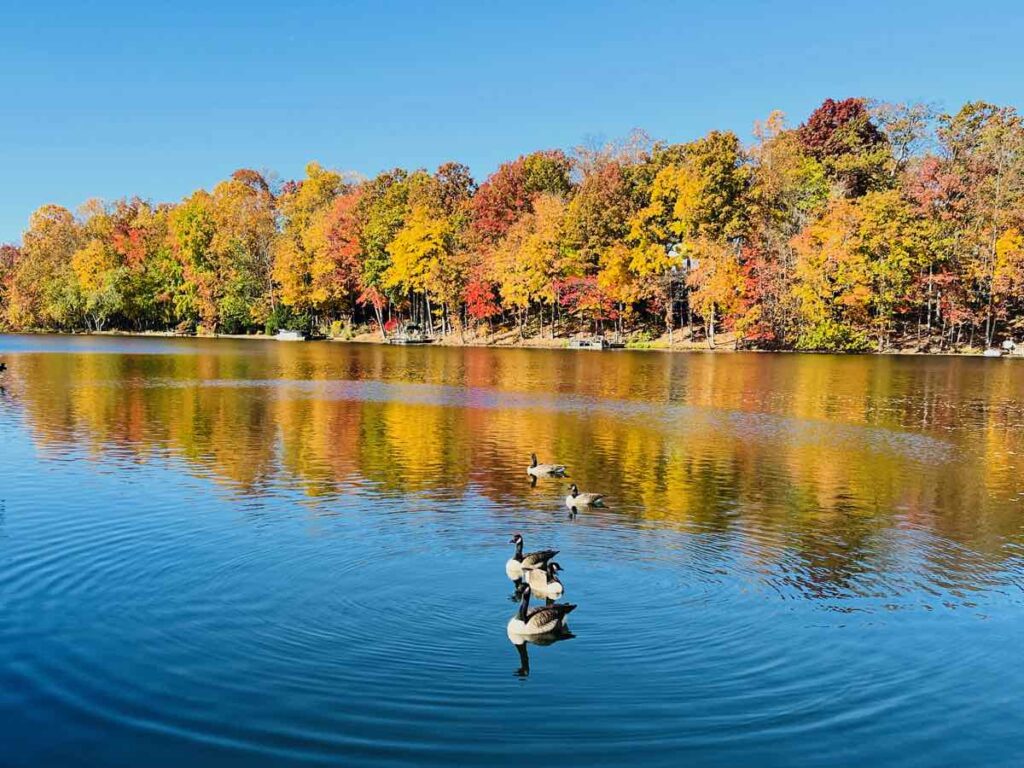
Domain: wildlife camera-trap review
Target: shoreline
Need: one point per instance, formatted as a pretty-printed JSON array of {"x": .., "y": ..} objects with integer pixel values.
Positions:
[{"x": 510, "y": 342}]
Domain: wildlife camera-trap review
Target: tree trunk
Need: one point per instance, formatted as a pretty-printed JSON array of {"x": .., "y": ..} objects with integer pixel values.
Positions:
[
  {"x": 669, "y": 325},
  {"x": 430, "y": 314},
  {"x": 928, "y": 325}
]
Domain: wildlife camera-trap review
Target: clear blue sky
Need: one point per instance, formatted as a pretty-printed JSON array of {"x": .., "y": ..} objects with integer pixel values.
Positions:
[{"x": 115, "y": 98}]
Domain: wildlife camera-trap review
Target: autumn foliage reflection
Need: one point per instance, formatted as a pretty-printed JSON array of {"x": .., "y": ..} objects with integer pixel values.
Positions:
[{"x": 793, "y": 451}]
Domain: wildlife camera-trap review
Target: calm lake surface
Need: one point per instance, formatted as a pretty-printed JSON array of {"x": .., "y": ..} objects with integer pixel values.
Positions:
[{"x": 255, "y": 553}]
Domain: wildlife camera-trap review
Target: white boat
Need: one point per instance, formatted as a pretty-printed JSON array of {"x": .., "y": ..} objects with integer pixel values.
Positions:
[
  {"x": 284, "y": 335},
  {"x": 411, "y": 333},
  {"x": 595, "y": 342}
]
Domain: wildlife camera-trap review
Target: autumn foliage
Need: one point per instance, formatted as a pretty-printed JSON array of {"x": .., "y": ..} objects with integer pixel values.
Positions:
[{"x": 868, "y": 226}]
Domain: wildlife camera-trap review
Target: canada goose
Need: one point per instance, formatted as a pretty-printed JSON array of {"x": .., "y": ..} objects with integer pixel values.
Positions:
[
  {"x": 514, "y": 567},
  {"x": 575, "y": 499},
  {"x": 544, "y": 470},
  {"x": 541, "y": 620},
  {"x": 544, "y": 582}
]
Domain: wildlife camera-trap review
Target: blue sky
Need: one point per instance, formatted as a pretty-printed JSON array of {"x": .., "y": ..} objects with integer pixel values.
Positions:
[{"x": 117, "y": 98}]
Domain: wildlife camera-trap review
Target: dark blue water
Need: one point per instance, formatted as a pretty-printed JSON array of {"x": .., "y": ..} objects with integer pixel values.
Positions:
[{"x": 255, "y": 553}]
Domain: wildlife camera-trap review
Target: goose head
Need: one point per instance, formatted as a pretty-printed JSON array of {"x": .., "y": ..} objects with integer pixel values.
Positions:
[
  {"x": 574, "y": 491},
  {"x": 533, "y": 459},
  {"x": 517, "y": 539},
  {"x": 553, "y": 570}
]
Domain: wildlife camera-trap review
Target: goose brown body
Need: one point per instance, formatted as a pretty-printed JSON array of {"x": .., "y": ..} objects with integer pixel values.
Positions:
[
  {"x": 544, "y": 470},
  {"x": 539, "y": 620},
  {"x": 576, "y": 499},
  {"x": 544, "y": 582}
]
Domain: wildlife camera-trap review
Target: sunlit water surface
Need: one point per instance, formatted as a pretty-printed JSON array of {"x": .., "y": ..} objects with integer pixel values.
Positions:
[{"x": 255, "y": 553}]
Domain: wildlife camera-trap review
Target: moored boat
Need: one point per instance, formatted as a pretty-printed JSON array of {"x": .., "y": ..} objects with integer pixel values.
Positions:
[{"x": 411, "y": 333}]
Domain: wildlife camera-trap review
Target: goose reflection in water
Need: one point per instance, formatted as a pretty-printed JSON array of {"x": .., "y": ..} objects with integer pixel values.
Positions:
[{"x": 522, "y": 641}]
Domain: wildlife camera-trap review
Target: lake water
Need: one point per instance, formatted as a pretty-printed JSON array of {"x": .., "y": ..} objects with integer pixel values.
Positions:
[{"x": 256, "y": 553}]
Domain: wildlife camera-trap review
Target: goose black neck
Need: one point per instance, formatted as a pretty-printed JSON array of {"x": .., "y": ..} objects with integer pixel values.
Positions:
[
  {"x": 519, "y": 551},
  {"x": 524, "y": 603},
  {"x": 533, "y": 459}
]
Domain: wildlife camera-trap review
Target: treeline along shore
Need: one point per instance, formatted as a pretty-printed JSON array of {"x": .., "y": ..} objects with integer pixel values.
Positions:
[{"x": 867, "y": 227}]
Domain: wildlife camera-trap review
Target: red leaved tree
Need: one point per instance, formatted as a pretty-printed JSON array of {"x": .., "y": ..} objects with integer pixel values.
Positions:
[
  {"x": 481, "y": 299},
  {"x": 581, "y": 296},
  {"x": 841, "y": 135}
]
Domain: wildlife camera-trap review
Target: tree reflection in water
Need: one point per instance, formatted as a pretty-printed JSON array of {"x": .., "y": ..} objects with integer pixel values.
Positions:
[{"x": 817, "y": 470}]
